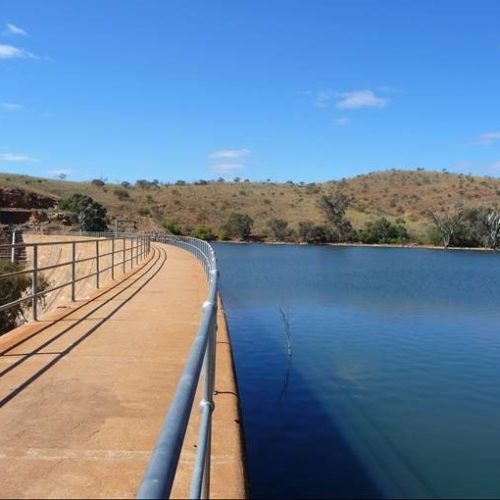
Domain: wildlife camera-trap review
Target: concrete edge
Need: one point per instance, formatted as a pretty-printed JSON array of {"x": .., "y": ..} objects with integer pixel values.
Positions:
[{"x": 226, "y": 434}]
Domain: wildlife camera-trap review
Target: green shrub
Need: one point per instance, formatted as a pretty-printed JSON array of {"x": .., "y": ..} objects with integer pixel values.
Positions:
[
  {"x": 11, "y": 289},
  {"x": 223, "y": 236},
  {"x": 91, "y": 215},
  {"x": 279, "y": 229},
  {"x": 203, "y": 232},
  {"x": 171, "y": 227},
  {"x": 385, "y": 232},
  {"x": 238, "y": 225},
  {"x": 121, "y": 194}
]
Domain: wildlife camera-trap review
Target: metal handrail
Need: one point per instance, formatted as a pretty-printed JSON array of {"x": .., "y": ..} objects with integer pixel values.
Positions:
[
  {"x": 159, "y": 476},
  {"x": 138, "y": 242}
]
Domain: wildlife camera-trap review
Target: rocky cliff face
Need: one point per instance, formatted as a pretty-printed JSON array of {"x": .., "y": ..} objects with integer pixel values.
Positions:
[{"x": 18, "y": 198}]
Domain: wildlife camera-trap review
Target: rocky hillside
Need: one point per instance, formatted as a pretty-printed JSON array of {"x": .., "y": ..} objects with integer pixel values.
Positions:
[{"x": 14, "y": 197}]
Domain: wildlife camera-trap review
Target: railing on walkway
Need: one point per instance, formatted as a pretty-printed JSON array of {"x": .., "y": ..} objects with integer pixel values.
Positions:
[
  {"x": 159, "y": 477},
  {"x": 160, "y": 473},
  {"x": 129, "y": 248}
]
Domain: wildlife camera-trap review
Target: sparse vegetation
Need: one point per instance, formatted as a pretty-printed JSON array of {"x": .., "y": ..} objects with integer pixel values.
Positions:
[
  {"x": 395, "y": 195},
  {"x": 13, "y": 288},
  {"x": 121, "y": 194}
]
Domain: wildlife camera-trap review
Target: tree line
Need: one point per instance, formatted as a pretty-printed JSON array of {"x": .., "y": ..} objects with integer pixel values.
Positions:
[{"x": 452, "y": 227}]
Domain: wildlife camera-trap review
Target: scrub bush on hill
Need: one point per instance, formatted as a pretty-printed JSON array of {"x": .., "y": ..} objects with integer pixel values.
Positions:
[
  {"x": 91, "y": 215},
  {"x": 12, "y": 288},
  {"x": 203, "y": 232},
  {"x": 313, "y": 233},
  {"x": 121, "y": 194},
  {"x": 384, "y": 232},
  {"x": 279, "y": 229},
  {"x": 472, "y": 229},
  {"x": 171, "y": 227},
  {"x": 238, "y": 226}
]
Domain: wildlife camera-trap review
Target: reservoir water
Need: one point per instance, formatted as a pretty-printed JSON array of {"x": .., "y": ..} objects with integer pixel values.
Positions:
[{"x": 392, "y": 385}]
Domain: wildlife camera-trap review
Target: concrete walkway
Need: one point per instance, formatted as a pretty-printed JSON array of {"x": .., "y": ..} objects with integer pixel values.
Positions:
[{"x": 84, "y": 391}]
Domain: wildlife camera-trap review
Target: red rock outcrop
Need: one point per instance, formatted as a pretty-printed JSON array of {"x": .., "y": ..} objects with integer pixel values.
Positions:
[{"x": 18, "y": 198}]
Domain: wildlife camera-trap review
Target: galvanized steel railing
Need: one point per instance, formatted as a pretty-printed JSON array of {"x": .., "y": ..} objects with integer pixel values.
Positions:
[
  {"x": 159, "y": 477},
  {"x": 132, "y": 249},
  {"x": 160, "y": 473}
]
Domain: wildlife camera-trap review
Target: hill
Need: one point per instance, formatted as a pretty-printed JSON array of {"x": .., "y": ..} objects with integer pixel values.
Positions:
[{"x": 408, "y": 195}]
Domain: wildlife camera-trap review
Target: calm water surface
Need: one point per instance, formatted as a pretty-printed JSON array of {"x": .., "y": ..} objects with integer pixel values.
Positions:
[{"x": 393, "y": 385}]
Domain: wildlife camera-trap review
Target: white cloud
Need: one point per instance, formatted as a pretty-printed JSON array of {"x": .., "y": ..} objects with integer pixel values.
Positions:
[
  {"x": 225, "y": 161},
  {"x": 349, "y": 100},
  {"x": 11, "y": 52},
  {"x": 11, "y": 107},
  {"x": 341, "y": 121},
  {"x": 226, "y": 168},
  {"x": 323, "y": 98},
  {"x": 229, "y": 154},
  {"x": 489, "y": 137},
  {"x": 17, "y": 157},
  {"x": 12, "y": 29},
  {"x": 360, "y": 99}
]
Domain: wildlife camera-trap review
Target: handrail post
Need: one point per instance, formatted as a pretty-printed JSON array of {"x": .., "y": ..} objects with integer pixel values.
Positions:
[
  {"x": 113, "y": 258},
  {"x": 137, "y": 250},
  {"x": 13, "y": 248},
  {"x": 124, "y": 255},
  {"x": 34, "y": 284},
  {"x": 73, "y": 271},
  {"x": 131, "y": 252},
  {"x": 97, "y": 263}
]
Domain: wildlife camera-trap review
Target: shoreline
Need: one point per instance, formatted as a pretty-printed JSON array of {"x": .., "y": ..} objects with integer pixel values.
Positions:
[{"x": 362, "y": 245}]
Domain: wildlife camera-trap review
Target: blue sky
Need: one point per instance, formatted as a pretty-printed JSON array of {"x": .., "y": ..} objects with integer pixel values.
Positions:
[{"x": 302, "y": 90}]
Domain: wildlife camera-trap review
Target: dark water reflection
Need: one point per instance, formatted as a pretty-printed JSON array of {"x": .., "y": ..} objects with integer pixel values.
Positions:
[{"x": 393, "y": 385}]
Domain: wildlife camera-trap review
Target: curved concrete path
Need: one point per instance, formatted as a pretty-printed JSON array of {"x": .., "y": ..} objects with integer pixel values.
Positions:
[{"x": 84, "y": 391}]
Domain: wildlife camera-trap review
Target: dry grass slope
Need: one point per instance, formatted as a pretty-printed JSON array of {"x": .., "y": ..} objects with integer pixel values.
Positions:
[{"x": 405, "y": 194}]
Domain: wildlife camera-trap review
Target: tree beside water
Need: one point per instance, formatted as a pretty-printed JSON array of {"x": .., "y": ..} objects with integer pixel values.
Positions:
[{"x": 468, "y": 228}]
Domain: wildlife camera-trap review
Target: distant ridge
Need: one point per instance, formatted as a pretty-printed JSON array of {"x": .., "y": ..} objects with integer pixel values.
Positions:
[{"x": 396, "y": 194}]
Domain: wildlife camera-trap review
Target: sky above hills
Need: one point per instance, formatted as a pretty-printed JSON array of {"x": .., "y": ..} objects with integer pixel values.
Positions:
[{"x": 283, "y": 89}]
